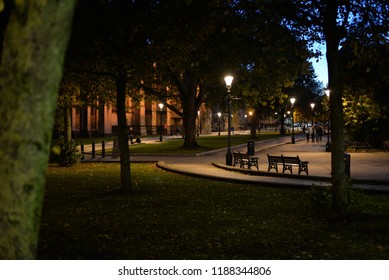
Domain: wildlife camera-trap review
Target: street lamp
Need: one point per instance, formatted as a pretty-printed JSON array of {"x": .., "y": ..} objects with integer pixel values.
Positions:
[
  {"x": 161, "y": 126},
  {"x": 312, "y": 106},
  {"x": 228, "y": 80},
  {"x": 199, "y": 126},
  {"x": 328, "y": 145},
  {"x": 219, "y": 115},
  {"x": 292, "y": 100}
]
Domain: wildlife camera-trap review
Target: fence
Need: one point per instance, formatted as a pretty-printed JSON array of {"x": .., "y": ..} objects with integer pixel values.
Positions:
[{"x": 101, "y": 151}]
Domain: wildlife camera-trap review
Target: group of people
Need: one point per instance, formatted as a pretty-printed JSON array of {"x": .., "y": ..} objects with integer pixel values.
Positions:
[{"x": 314, "y": 133}]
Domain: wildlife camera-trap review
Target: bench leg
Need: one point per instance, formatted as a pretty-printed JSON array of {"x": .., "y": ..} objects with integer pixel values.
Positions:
[
  {"x": 303, "y": 168},
  {"x": 253, "y": 163},
  {"x": 287, "y": 167},
  {"x": 271, "y": 166},
  {"x": 243, "y": 163}
]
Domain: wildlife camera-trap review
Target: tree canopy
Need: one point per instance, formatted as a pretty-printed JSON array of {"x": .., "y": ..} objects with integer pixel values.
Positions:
[{"x": 333, "y": 22}]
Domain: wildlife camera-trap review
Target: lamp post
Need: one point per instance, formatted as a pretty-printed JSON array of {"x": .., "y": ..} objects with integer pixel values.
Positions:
[
  {"x": 199, "y": 124},
  {"x": 328, "y": 145},
  {"x": 161, "y": 125},
  {"x": 219, "y": 115},
  {"x": 228, "y": 80},
  {"x": 292, "y": 100},
  {"x": 312, "y": 106}
]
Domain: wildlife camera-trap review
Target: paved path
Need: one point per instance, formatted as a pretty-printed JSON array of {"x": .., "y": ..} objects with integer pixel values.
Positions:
[{"x": 369, "y": 170}]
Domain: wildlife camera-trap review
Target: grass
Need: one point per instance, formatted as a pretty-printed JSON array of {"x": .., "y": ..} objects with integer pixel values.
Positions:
[
  {"x": 171, "y": 216},
  {"x": 206, "y": 143},
  {"x": 87, "y": 141}
]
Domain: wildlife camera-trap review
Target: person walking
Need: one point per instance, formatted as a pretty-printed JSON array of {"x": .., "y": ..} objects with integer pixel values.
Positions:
[
  {"x": 313, "y": 134},
  {"x": 307, "y": 134}
]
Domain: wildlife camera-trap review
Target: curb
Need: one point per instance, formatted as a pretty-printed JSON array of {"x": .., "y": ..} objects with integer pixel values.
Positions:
[{"x": 268, "y": 182}]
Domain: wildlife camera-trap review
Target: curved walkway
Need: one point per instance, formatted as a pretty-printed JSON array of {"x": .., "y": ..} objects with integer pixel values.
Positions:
[{"x": 369, "y": 171}]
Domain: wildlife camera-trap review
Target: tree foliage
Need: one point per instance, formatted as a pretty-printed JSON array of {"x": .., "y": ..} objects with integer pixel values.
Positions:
[
  {"x": 276, "y": 59},
  {"x": 364, "y": 79},
  {"x": 191, "y": 46},
  {"x": 333, "y": 22},
  {"x": 108, "y": 47}
]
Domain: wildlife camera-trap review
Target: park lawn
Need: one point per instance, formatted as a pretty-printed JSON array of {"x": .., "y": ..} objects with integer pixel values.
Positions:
[
  {"x": 206, "y": 143},
  {"x": 171, "y": 216},
  {"x": 175, "y": 146}
]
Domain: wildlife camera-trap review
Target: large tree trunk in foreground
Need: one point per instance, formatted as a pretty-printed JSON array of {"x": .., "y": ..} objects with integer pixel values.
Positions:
[
  {"x": 34, "y": 44},
  {"x": 336, "y": 110}
]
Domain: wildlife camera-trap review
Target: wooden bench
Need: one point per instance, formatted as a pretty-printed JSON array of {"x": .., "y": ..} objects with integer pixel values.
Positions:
[
  {"x": 358, "y": 146},
  {"x": 274, "y": 161},
  {"x": 244, "y": 159},
  {"x": 237, "y": 159},
  {"x": 288, "y": 162}
]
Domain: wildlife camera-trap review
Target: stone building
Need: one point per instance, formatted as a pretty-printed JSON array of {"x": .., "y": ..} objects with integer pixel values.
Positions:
[{"x": 143, "y": 119}]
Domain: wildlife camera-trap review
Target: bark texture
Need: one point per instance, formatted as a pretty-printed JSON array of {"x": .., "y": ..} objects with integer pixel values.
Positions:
[{"x": 34, "y": 43}]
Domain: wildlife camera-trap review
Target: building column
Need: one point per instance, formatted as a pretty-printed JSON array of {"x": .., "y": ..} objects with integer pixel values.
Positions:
[
  {"x": 168, "y": 122},
  {"x": 154, "y": 114},
  {"x": 142, "y": 111}
]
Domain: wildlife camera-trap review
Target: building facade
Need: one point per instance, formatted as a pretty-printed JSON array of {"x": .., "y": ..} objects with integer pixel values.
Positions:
[{"x": 143, "y": 119}]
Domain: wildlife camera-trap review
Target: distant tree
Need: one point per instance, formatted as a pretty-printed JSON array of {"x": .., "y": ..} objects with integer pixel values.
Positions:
[
  {"x": 273, "y": 70},
  {"x": 34, "y": 36},
  {"x": 108, "y": 45},
  {"x": 306, "y": 89},
  {"x": 192, "y": 50}
]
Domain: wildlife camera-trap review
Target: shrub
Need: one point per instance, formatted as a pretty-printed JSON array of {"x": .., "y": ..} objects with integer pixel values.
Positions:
[{"x": 65, "y": 152}]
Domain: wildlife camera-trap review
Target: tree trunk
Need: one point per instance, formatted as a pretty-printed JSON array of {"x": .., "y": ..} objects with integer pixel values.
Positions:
[
  {"x": 337, "y": 139},
  {"x": 190, "y": 112},
  {"x": 84, "y": 121},
  {"x": 282, "y": 122},
  {"x": 189, "y": 120},
  {"x": 336, "y": 111},
  {"x": 67, "y": 115},
  {"x": 125, "y": 175},
  {"x": 101, "y": 121},
  {"x": 254, "y": 125},
  {"x": 35, "y": 40}
]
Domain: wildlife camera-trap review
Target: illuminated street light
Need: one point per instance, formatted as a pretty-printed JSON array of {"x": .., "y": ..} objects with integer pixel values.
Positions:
[
  {"x": 292, "y": 100},
  {"x": 161, "y": 125},
  {"x": 312, "y": 106},
  {"x": 219, "y": 115},
  {"x": 228, "y": 80}
]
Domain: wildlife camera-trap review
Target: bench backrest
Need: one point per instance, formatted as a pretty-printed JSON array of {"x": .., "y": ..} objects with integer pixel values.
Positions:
[
  {"x": 244, "y": 156},
  {"x": 290, "y": 159},
  {"x": 274, "y": 158}
]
